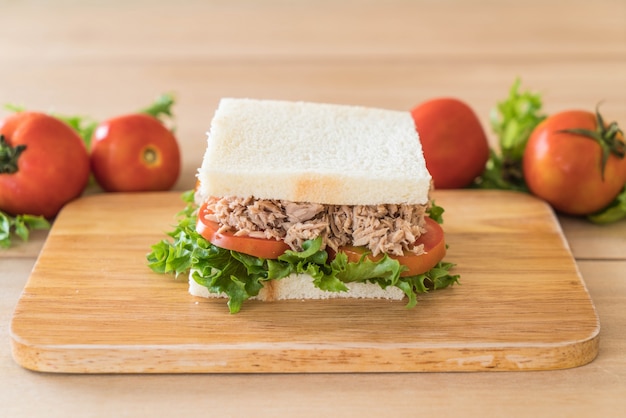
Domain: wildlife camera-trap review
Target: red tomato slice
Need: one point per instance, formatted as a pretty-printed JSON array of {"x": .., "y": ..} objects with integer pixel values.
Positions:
[
  {"x": 257, "y": 247},
  {"x": 434, "y": 251}
]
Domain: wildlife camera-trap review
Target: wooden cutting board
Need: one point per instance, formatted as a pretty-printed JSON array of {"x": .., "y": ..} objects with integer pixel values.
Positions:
[{"x": 91, "y": 305}]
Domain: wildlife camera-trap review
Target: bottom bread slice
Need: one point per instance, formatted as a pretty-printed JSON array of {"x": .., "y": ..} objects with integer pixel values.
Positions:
[{"x": 300, "y": 286}]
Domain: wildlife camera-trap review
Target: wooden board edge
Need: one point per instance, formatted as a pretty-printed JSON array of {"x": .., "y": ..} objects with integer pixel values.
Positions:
[{"x": 276, "y": 358}]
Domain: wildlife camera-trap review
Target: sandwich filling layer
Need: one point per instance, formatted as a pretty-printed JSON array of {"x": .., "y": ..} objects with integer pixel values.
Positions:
[{"x": 383, "y": 228}]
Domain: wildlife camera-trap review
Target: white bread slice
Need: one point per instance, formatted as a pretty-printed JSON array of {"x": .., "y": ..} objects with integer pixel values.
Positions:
[
  {"x": 312, "y": 152},
  {"x": 300, "y": 286}
]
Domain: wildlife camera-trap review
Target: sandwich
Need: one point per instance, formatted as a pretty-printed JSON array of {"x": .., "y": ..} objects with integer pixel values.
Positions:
[{"x": 299, "y": 200}]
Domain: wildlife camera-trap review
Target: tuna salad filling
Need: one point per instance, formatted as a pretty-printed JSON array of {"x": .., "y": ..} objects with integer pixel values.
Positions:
[{"x": 383, "y": 229}]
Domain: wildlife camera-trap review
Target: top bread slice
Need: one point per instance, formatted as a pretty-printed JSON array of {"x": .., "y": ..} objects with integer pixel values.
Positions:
[{"x": 313, "y": 152}]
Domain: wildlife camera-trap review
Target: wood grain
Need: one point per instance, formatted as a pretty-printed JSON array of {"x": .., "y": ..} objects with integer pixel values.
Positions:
[{"x": 91, "y": 305}]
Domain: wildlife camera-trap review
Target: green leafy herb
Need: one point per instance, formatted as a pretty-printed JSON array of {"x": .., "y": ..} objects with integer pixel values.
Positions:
[
  {"x": 241, "y": 276},
  {"x": 513, "y": 120},
  {"x": 19, "y": 225}
]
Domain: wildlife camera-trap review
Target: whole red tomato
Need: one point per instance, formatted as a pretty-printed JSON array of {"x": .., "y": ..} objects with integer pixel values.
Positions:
[
  {"x": 43, "y": 164},
  {"x": 563, "y": 162},
  {"x": 454, "y": 142},
  {"x": 133, "y": 153}
]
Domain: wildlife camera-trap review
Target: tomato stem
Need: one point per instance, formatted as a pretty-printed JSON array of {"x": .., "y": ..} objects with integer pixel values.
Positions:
[
  {"x": 9, "y": 156},
  {"x": 610, "y": 138}
]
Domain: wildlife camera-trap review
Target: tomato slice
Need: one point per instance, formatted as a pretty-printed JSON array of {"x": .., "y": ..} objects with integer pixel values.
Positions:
[
  {"x": 257, "y": 247},
  {"x": 434, "y": 251}
]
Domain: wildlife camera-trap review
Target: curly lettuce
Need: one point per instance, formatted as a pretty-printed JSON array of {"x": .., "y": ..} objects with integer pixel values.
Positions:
[{"x": 513, "y": 120}]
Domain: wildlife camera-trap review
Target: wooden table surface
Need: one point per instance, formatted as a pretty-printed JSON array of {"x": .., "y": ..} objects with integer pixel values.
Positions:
[{"x": 104, "y": 58}]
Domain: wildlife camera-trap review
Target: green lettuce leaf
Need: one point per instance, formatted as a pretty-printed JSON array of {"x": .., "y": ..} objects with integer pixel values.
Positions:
[{"x": 513, "y": 120}]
